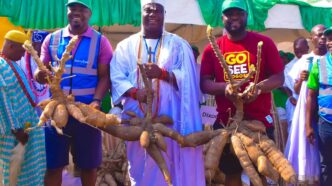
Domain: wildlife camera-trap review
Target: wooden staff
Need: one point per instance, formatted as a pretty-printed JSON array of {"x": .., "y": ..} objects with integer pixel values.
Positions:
[
  {"x": 219, "y": 55},
  {"x": 259, "y": 60}
]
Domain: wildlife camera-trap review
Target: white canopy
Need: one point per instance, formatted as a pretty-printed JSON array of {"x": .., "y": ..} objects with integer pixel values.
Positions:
[{"x": 279, "y": 16}]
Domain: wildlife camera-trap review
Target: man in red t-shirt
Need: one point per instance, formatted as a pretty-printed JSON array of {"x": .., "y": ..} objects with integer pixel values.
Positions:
[{"x": 239, "y": 48}]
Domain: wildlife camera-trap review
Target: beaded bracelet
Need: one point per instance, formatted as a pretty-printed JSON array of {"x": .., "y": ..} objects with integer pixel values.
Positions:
[
  {"x": 164, "y": 74},
  {"x": 133, "y": 93},
  {"x": 96, "y": 99}
]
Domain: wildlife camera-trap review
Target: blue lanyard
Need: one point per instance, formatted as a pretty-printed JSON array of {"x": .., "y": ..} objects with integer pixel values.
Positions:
[
  {"x": 310, "y": 63},
  {"x": 151, "y": 52}
]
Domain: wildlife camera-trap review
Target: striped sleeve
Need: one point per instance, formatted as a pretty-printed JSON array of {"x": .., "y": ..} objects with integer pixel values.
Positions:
[
  {"x": 8, "y": 121},
  {"x": 2, "y": 82}
]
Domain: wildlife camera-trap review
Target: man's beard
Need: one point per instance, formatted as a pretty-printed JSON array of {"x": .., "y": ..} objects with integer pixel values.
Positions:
[
  {"x": 77, "y": 25},
  {"x": 237, "y": 31}
]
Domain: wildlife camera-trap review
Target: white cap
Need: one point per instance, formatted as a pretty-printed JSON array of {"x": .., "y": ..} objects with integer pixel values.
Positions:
[{"x": 161, "y": 2}]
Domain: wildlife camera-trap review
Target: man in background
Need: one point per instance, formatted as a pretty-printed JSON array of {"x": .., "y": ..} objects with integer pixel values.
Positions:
[
  {"x": 304, "y": 156},
  {"x": 319, "y": 101},
  {"x": 300, "y": 47},
  {"x": 202, "y": 97},
  {"x": 29, "y": 66}
]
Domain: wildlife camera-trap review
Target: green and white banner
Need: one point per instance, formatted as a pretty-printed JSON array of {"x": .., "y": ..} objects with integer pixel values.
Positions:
[{"x": 51, "y": 14}]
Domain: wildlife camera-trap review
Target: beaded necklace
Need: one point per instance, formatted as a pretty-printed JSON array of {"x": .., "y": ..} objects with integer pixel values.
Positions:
[
  {"x": 149, "y": 50},
  {"x": 37, "y": 89},
  {"x": 33, "y": 104},
  {"x": 139, "y": 79}
]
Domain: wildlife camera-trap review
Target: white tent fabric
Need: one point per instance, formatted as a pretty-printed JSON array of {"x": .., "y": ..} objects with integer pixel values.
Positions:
[
  {"x": 284, "y": 16},
  {"x": 279, "y": 16},
  {"x": 189, "y": 14}
]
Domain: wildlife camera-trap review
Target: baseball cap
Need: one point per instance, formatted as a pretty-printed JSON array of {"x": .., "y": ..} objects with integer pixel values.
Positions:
[
  {"x": 233, "y": 4},
  {"x": 328, "y": 31},
  {"x": 86, "y": 3}
]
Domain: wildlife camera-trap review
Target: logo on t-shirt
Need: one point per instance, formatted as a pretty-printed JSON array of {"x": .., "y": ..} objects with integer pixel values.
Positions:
[
  {"x": 269, "y": 119},
  {"x": 238, "y": 64}
]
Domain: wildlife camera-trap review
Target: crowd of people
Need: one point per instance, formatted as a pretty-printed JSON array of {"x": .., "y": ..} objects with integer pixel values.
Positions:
[{"x": 171, "y": 64}]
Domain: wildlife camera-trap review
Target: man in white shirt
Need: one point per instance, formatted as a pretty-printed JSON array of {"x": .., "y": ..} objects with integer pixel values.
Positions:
[
  {"x": 303, "y": 156},
  {"x": 300, "y": 47}
]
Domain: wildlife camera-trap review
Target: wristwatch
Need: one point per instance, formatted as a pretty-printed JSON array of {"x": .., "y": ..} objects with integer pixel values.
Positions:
[{"x": 96, "y": 99}]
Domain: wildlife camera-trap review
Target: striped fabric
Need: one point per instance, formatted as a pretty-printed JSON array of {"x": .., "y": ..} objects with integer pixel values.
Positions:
[{"x": 15, "y": 112}]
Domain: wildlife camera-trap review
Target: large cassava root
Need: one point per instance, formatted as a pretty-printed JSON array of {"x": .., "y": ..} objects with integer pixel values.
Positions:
[
  {"x": 253, "y": 148},
  {"x": 278, "y": 160},
  {"x": 247, "y": 165},
  {"x": 151, "y": 132},
  {"x": 61, "y": 106},
  {"x": 212, "y": 157},
  {"x": 113, "y": 170},
  {"x": 258, "y": 158}
]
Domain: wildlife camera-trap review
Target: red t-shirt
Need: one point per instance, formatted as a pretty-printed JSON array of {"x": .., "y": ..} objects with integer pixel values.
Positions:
[{"x": 240, "y": 55}]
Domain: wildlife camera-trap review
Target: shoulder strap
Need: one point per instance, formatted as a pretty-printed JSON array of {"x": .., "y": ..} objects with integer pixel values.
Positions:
[
  {"x": 54, "y": 44},
  {"x": 33, "y": 104}
]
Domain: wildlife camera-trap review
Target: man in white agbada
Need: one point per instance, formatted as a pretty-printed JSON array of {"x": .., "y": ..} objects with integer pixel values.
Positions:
[
  {"x": 300, "y": 47},
  {"x": 299, "y": 72},
  {"x": 303, "y": 156},
  {"x": 175, "y": 94}
]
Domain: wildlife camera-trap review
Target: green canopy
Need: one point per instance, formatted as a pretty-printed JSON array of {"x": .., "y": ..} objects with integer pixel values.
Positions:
[{"x": 51, "y": 14}]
